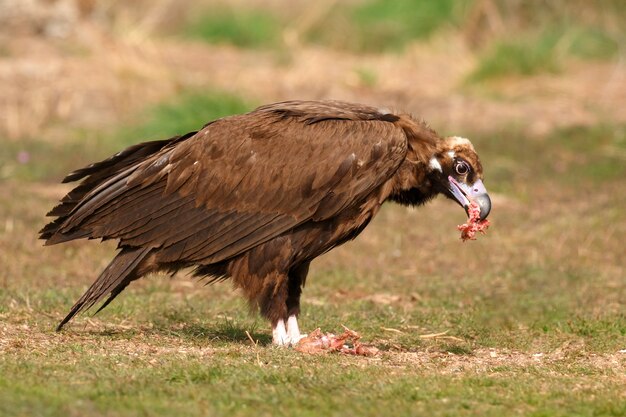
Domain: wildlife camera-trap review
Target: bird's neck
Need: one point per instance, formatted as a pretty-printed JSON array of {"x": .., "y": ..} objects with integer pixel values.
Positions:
[{"x": 411, "y": 185}]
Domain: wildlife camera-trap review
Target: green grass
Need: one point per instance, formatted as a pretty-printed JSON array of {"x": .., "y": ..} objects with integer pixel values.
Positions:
[
  {"x": 371, "y": 26},
  {"x": 32, "y": 159},
  {"x": 588, "y": 155},
  {"x": 523, "y": 57},
  {"x": 272, "y": 382},
  {"x": 383, "y": 25},
  {"x": 379, "y": 25},
  {"x": 544, "y": 52},
  {"x": 28, "y": 159},
  {"x": 187, "y": 112},
  {"x": 366, "y": 77},
  {"x": 196, "y": 362},
  {"x": 595, "y": 153},
  {"x": 245, "y": 29},
  {"x": 592, "y": 43}
]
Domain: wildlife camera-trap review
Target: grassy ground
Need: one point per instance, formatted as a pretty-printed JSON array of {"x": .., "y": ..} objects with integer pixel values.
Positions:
[{"x": 528, "y": 320}]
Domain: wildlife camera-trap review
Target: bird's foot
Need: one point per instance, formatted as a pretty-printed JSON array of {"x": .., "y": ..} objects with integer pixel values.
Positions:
[
  {"x": 293, "y": 331},
  {"x": 279, "y": 334},
  {"x": 287, "y": 335}
]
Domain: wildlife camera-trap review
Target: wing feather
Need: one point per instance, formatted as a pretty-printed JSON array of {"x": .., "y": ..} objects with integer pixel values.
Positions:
[{"x": 239, "y": 182}]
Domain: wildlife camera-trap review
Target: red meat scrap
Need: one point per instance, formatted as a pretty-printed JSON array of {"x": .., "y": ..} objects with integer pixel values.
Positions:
[
  {"x": 347, "y": 343},
  {"x": 474, "y": 224}
]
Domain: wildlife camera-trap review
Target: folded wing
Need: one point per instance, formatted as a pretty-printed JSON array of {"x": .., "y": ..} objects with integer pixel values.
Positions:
[{"x": 242, "y": 180}]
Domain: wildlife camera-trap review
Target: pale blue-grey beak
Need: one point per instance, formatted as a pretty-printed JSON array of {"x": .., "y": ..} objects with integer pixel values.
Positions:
[{"x": 465, "y": 194}]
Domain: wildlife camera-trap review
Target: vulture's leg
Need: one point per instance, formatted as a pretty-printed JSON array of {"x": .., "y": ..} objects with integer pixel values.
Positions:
[
  {"x": 270, "y": 294},
  {"x": 266, "y": 289},
  {"x": 280, "y": 302},
  {"x": 279, "y": 334},
  {"x": 293, "y": 330},
  {"x": 276, "y": 291},
  {"x": 297, "y": 277}
]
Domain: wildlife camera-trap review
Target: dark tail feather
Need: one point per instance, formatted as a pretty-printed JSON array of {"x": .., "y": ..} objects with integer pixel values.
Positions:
[
  {"x": 97, "y": 174},
  {"x": 115, "y": 277}
]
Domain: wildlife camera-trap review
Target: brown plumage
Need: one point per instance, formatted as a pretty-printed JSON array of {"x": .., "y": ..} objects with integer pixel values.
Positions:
[{"x": 256, "y": 197}]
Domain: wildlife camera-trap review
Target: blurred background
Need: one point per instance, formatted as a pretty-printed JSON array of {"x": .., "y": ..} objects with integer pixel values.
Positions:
[
  {"x": 539, "y": 86},
  {"x": 72, "y": 65}
]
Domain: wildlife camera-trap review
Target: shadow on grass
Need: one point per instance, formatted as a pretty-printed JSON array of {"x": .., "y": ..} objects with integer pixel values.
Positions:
[
  {"x": 196, "y": 332},
  {"x": 228, "y": 332}
]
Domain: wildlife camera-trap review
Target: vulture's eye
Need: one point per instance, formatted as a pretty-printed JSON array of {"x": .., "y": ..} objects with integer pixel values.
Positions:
[{"x": 461, "y": 167}]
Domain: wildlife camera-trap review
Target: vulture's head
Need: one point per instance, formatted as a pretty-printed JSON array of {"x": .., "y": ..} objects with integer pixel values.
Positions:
[{"x": 456, "y": 172}]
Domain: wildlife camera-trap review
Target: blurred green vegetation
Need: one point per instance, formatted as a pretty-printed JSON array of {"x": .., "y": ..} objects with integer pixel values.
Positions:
[
  {"x": 242, "y": 28},
  {"x": 187, "y": 112},
  {"x": 371, "y": 26},
  {"x": 533, "y": 37},
  {"x": 34, "y": 159},
  {"x": 521, "y": 56},
  {"x": 593, "y": 153},
  {"x": 545, "y": 51},
  {"x": 591, "y": 43},
  {"x": 367, "y": 77},
  {"x": 381, "y": 25},
  {"x": 568, "y": 156}
]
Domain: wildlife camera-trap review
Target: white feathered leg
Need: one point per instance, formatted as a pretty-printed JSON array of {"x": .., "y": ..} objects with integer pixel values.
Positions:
[
  {"x": 288, "y": 335},
  {"x": 293, "y": 331},
  {"x": 279, "y": 334}
]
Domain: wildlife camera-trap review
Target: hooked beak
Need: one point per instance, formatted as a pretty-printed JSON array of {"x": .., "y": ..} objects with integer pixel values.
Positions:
[{"x": 465, "y": 194}]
